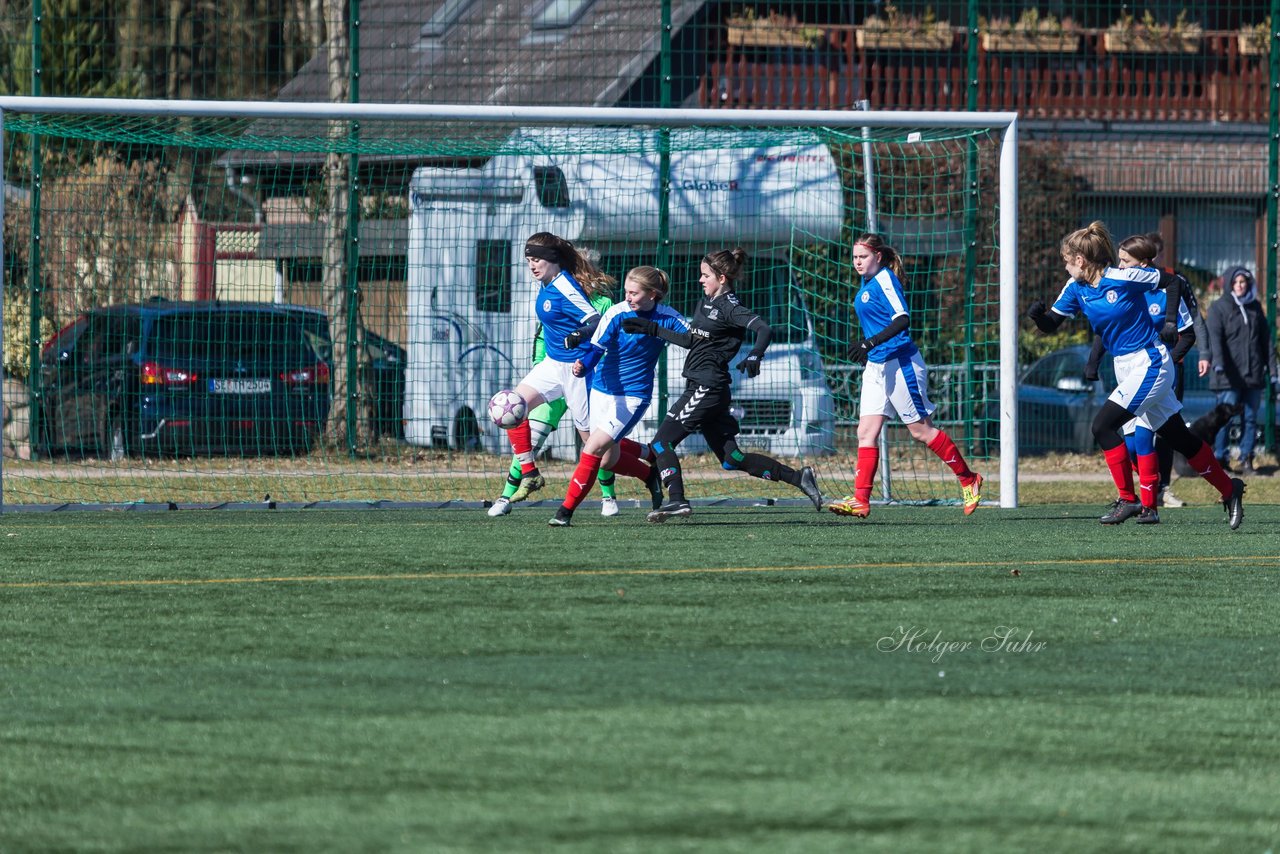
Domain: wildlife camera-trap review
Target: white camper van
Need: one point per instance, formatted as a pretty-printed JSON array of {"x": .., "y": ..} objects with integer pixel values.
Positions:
[{"x": 471, "y": 297}]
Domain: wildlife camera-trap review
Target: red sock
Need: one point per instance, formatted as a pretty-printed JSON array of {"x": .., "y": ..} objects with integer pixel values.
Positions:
[
  {"x": 522, "y": 445},
  {"x": 635, "y": 449},
  {"x": 628, "y": 465},
  {"x": 950, "y": 454},
  {"x": 1148, "y": 478},
  {"x": 1208, "y": 467},
  {"x": 1121, "y": 471},
  {"x": 868, "y": 462},
  {"x": 581, "y": 480}
]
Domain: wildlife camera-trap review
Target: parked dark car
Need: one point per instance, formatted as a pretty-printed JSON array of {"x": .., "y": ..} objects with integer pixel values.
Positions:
[
  {"x": 183, "y": 377},
  {"x": 387, "y": 361},
  {"x": 1056, "y": 405}
]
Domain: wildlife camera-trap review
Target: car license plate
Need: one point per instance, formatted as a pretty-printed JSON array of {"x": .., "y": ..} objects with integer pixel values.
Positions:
[{"x": 218, "y": 386}]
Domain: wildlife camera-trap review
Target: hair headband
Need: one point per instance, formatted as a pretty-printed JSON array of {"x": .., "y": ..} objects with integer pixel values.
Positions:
[{"x": 546, "y": 253}]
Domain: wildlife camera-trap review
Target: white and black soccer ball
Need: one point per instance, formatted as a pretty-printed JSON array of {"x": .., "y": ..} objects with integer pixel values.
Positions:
[{"x": 507, "y": 408}]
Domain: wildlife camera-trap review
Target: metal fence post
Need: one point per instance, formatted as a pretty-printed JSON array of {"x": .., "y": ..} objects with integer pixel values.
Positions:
[
  {"x": 34, "y": 277},
  {"x": 1273, "y": 196},
  {"x": 353, "y": 228}
]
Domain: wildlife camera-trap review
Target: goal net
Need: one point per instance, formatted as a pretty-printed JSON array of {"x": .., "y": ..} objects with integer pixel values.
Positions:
[{"x": 219, "y": 304}]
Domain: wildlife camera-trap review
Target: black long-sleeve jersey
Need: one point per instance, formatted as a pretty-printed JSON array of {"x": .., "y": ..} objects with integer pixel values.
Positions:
[
  {"x": 716, "y": 333},
  {"x": 1188, "y": 295}
]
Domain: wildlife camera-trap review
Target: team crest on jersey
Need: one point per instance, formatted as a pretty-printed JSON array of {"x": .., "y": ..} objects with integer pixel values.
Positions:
[
  {"x": 713, "y": 313},
  {"x": 1112, "y": 296},
  {"x": 546, "y": 305},
  {"x": 866, "y": 297},
  {"x": 1153, "y": 310}
]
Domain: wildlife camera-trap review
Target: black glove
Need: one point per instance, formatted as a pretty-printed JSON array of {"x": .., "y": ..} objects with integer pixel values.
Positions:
[
  {"x": 1169, "y": 333},
  {"x": 639, "y": 326},
  {"x": 858, "y": 352},
  {"x": 1036, "y": 310},
  {"x": 572, "y": 340},
  {"x": 750, "y": 365}
]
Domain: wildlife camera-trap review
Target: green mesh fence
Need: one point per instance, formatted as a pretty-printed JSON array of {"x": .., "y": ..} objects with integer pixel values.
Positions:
[{"x": 202, "y": 311}]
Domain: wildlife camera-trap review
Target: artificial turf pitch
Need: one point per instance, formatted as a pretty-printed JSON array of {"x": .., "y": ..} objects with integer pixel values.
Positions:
[{"x": 752, "y": 679}]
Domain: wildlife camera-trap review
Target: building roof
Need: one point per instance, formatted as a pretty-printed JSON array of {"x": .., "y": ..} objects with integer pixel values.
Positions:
[{"x": 491, "y": 55}]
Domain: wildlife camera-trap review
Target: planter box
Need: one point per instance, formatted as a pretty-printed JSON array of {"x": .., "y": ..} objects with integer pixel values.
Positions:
[
  {"x": 771, "y": 35},
  {"x": 1016, "y": 42},
  {"x": 1254, "y": 43},
  {"x": 936, "y": 37},
  {"x": 1124, "y": 41}
]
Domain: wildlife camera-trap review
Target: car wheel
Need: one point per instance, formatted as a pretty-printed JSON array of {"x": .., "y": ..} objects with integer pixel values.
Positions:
[
  {"x": 466, "y": 432},
  {"x": 301, "y": 446}
]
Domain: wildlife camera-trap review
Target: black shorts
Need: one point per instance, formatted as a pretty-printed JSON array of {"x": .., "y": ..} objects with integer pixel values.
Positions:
[{"x": 704, "y": 409}]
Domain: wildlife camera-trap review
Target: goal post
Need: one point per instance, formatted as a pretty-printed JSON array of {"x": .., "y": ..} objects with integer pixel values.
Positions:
[{"x": 146, "y": 208}]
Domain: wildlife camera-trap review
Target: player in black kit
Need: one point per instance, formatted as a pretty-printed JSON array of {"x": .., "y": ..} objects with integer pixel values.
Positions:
[{"x": 719, "y": 326}]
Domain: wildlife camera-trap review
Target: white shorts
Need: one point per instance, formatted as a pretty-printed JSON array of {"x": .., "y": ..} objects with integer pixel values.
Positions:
[
  {"x": 896, "y": 387},
  {"x": 1145, "y": 386},
  {"x": 554, "y": 380},
  {"x": 616, "y": 414},
  {"x": 1131, "y": 426}
]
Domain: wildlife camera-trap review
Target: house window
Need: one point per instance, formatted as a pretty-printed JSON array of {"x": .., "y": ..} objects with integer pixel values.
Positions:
[
  {"x": 553, "y": 189},
  {"x": 444, "y": 18},
  {"x": 560, "y": 14},
  {"x": 1215, "y": 235},
  {"x": 493, "y": 276}
]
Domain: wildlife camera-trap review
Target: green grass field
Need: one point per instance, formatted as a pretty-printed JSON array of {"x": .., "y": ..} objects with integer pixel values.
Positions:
[{"x": 752, "y": 679}]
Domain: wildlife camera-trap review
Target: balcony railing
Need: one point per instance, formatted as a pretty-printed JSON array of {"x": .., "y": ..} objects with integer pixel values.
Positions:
[{"x": 1208, "y": 79}]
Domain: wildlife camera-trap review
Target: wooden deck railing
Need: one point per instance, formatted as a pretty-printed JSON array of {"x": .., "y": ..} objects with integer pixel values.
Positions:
[{"x": 1216, "y": 82}]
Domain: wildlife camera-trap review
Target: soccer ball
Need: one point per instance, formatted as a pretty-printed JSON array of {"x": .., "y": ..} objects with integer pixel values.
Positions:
[{"x": 507, "y": 408}]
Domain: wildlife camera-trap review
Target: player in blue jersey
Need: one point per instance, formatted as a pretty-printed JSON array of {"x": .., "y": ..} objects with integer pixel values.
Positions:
[
  {"x": 719, "y": 326},
  {"x": 1152, "y": 458},
  {"x": 564, "y": 309},
  {"x": 1115, "y": 303},
  {"x": 895, "y": 379},
  {"x": 543, "y": 421},
  {"x": 621, "y": 367}
]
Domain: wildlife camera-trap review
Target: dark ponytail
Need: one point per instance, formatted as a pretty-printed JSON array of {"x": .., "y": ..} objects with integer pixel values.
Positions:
[{"x": 727, "y": 263}]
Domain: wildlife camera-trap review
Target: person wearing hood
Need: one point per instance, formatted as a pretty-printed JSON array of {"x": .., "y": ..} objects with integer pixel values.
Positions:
[{"x": 1242, "y": 358}]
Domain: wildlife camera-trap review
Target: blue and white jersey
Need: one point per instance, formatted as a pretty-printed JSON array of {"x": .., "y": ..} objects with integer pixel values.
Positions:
[
  {"x": 562, "y": 308},
  {"x": 1116, "y": 307},
  {"x": 878, "y": 302},
  {"x": 626, "y": 360},
  {"x": 1157, "y": 301}
]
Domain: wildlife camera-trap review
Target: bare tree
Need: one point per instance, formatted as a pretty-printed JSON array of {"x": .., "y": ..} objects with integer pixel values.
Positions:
[{"x": 337, "y": 175}]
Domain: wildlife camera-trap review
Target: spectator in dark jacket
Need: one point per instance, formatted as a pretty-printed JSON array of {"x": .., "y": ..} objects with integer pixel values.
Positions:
[{"x": 1242, "y": 357}]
